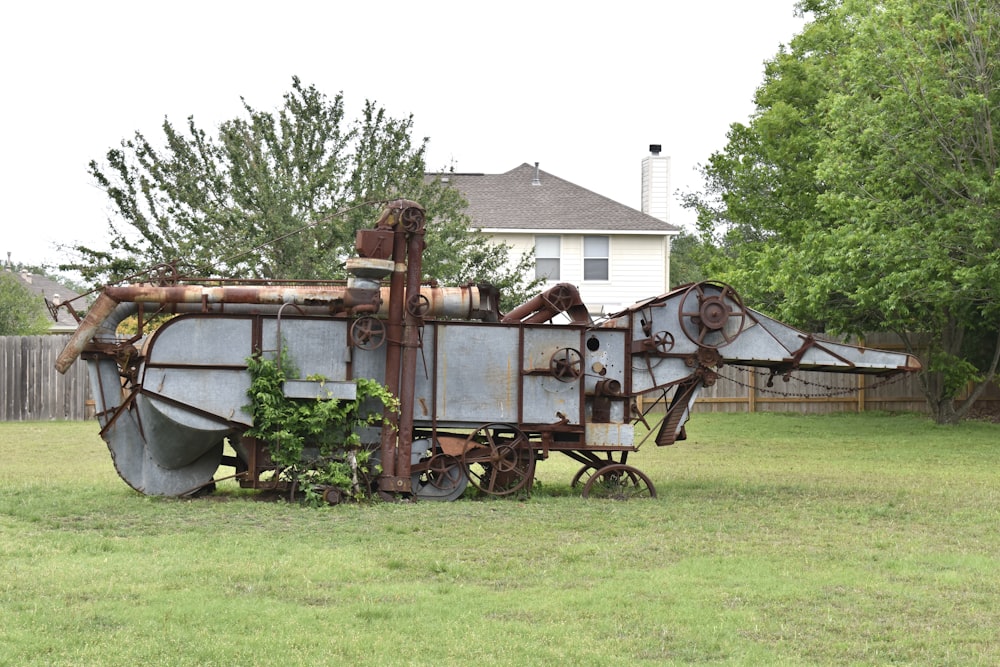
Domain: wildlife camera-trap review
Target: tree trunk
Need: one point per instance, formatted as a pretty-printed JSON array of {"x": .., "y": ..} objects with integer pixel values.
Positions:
[{"x": 943, "y": 410}]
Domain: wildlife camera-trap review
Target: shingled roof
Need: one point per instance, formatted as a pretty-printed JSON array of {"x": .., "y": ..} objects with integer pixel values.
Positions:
[{"x": 516, "y": 200}]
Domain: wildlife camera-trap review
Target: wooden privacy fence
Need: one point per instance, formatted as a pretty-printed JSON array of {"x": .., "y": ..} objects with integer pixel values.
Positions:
[
  {"x": 747, "y": 390},
  {"x": 32, "y": 389},
  {"x": 744, "y": 389}
]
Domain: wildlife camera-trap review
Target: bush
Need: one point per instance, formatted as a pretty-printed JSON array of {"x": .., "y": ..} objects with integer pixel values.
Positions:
[{"x": 315, "y": 443}]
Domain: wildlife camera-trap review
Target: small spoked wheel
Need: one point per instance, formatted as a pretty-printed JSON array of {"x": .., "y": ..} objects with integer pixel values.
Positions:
[
  {"x": 368, "y": 332},
  {"x": 499, "y": 459},
  {"x": 441, "y": 477},
  {"x": 619, "y": 482},
  {"x": 418, "y": 305},
  {"x": 163, "y": 275},
  {"x": 566, "y": 364},
  {"x": 662, "y": 342}
]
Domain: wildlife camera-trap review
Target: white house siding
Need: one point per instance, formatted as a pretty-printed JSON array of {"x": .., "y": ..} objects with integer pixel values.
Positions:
[
  {"x": 520, "y": 244},
  {"x": 636, "y": 271},
  {"x": 637, "y": 267}
]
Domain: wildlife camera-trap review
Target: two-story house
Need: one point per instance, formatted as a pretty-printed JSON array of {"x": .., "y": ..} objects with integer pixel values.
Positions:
[{"x": 614, "y": 254}]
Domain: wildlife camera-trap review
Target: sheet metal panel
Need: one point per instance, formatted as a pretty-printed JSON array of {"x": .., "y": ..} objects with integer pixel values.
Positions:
[
  {"x": 315, "y": 346},
  {"x": 195, "y": 340},
  {"x": 545, "y": 397},
  {"x": 476, "y": 374},
  {"x": 607, "y": 358}
]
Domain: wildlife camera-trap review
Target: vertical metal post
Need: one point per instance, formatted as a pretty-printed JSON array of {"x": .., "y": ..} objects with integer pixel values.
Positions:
[
  {"x": 412, "y": 321},
  {"x": 388, "y": 480},
  {"x": 402, "y": 338}
]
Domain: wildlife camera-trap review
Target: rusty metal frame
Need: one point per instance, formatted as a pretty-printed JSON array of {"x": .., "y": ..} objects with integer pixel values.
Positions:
[{"x": 407, "y": 306}]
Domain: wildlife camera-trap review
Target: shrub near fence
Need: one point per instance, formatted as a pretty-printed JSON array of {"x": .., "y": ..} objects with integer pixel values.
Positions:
[{"x": 30, "y": 387}]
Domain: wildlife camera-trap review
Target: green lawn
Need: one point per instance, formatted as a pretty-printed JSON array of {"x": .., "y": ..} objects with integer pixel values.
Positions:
[{"x": 776, "y": 539}]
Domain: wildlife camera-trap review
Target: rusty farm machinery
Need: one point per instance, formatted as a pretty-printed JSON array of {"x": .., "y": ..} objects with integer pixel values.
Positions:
[{"x": 483, "y": 395}]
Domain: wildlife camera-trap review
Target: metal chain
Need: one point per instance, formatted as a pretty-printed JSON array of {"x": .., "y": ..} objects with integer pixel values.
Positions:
[{"x": 830, "y": 390}]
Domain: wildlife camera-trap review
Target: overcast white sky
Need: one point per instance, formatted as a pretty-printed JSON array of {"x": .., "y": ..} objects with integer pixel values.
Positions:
[{"x": 581, "y": 88}]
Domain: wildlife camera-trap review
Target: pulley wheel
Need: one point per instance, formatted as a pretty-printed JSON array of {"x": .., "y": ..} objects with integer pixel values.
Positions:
[
  {"x": 412, "y": 219},
  {"x": 662, "y": 342},
  {"x": 163, "y": 275},
  {"x": 711, "y": 314},
  {"x": 566, "y": 364},
  {"x": 368, "y": 332},
  {"x": 560, "y": 298},
  {"x": 418, "y": 305}
]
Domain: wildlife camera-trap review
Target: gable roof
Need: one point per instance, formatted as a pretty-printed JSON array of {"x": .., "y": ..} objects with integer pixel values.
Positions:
[{"x": 510, "y": 201}]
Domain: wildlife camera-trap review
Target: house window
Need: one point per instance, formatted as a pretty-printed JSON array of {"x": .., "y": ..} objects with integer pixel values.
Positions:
[
  {"x": 595, "y": 257},
  {"x": 547, "y": 257}
]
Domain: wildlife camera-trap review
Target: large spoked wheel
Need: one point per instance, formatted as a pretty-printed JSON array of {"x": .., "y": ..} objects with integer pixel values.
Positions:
[
  {"x": 584, "y": 474},
  {"x": 560, "y": 298},
  {"x": 498, "y": 459},
  {"x": 712, "y": 314},
  {"x": 619, "y": 482}
]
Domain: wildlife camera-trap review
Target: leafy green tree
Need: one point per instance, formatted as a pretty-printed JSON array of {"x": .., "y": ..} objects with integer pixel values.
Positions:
[
  {"x": 912, "y": 165},
  {"x": 278, "y": 195},
  {"x": 22, "y": 313},
  {"x": 863, "y": 196},
  {"x": 689, "y": 255},
  {"x": 760, "y": 196}
]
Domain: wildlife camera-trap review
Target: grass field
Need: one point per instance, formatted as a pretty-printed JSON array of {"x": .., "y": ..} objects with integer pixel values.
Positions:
[{"x": 776, "y": 539}]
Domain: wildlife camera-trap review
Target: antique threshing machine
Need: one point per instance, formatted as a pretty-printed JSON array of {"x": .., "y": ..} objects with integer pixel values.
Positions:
[{"x": 483, "y": 395}]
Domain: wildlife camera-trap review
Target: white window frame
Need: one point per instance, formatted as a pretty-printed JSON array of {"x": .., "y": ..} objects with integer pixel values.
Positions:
[
  {"x": 557, "y": 257},
  {"x": 606, "y": 258}
]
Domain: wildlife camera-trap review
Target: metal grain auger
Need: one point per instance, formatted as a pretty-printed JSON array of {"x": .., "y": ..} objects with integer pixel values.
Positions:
[{"x": 483, "y": 396}]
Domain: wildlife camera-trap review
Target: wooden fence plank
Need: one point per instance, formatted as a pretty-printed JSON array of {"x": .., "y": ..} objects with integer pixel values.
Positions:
[{"x": 30, "y": 387}]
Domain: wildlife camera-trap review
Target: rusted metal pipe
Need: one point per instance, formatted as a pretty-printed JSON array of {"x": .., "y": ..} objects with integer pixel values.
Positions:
[
  {"x": 467, "y": 302},
  {"x": 453, "y": 302},
  {"x": 561, "y": 298},
  {"x": 312, "y": 295},
  {"x": 99, "y": 312},
  {"x": 412, "y": 321},
  {"x": 407, "y": 223},
  {"x": 388, "y": 481}
]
